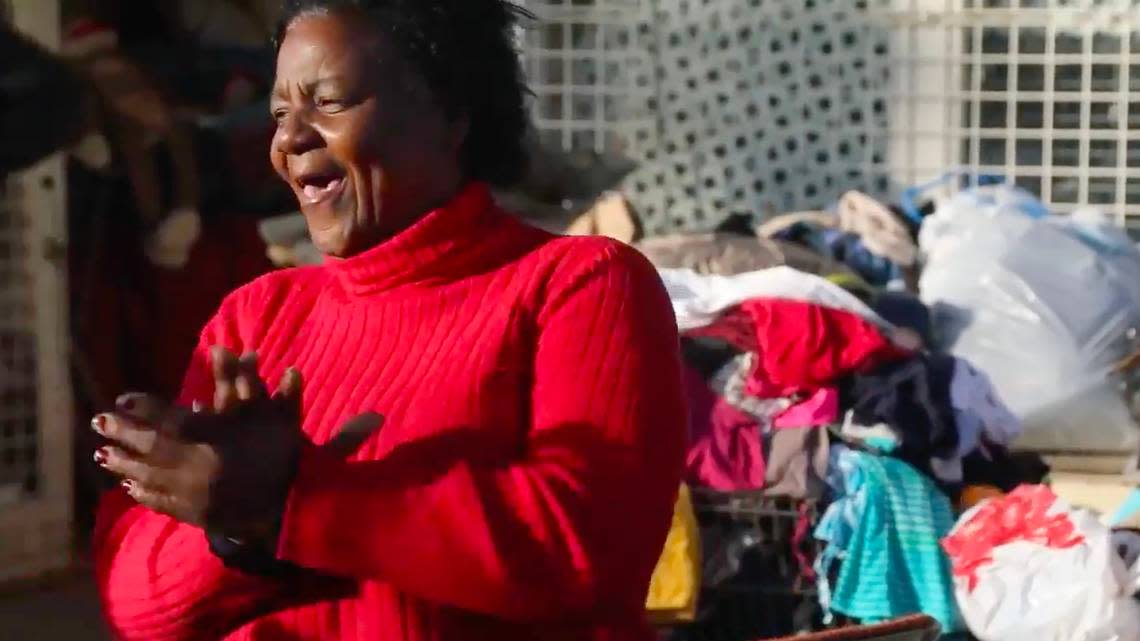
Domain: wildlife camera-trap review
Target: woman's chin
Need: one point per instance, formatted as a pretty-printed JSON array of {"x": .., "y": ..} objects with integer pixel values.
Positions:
[{"x": 330, "y": 240}]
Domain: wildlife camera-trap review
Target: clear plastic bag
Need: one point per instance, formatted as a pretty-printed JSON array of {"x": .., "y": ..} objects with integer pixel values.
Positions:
[{"x": 1045, "y": 305}]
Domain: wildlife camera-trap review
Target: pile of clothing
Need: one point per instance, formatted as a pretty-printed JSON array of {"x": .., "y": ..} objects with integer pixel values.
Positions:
[
  {"x": 852, "y": 366},
  {"x": 800, "y": 389},
  {"x": 823, "y": 389}
]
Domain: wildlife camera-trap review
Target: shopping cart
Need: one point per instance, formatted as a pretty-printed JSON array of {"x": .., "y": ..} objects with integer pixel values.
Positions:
[
  {"x": 758, "y": 552},
  {"x": 913, "y": 628}
]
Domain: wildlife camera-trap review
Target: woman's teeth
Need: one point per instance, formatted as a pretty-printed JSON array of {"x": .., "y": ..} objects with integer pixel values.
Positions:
[{"x": 317, "y": 193}]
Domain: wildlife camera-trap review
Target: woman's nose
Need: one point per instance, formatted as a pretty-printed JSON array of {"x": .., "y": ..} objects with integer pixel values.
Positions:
[{"x": 296, "y": 136}]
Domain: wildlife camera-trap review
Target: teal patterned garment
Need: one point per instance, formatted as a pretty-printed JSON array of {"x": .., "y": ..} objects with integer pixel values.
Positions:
[{"x": 884, "y": 529}]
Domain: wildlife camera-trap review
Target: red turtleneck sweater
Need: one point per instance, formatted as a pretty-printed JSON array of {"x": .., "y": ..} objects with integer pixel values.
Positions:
[{"x": 521, "y": 486}]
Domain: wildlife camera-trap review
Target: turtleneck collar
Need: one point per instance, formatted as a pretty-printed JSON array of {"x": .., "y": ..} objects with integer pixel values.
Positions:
[{"x": 436, "y": 246}]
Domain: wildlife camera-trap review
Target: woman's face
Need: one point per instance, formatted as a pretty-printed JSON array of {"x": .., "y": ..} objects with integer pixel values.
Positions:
[{"x": 359, "y": 137}]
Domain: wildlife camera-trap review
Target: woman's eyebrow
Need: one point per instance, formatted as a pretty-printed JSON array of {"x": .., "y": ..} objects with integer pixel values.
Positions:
[{"x": 281, "y": 92}]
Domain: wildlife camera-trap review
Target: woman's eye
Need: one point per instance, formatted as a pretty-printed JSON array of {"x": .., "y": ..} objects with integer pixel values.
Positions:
[
  {"x": 279, "y": 115},
  {"x": 329, "y": 104}
]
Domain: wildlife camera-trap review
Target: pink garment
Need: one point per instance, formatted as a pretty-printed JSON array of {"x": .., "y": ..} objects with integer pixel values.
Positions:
[
  {"x": 725, "y": 450},
  {"x": 821, "y": 408}
]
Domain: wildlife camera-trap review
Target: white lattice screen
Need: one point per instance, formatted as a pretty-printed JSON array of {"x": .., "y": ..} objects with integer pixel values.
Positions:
[
  {"x": 35, "y": 399},
  {"x": 769, "y": 105}
]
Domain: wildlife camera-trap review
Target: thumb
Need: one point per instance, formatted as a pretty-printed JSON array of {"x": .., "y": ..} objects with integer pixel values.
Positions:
[
  {"x": 144, "y": 408},
  {"x": 352, "y": 434}
]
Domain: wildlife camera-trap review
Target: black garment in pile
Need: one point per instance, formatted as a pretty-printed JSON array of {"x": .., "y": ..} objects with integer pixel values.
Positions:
[
  {"x": 706, "y": 355},
  {"x": 913, "y": 399},
  {"x": 904, "y": 309},
  {"x": 1003, "y": 469}
]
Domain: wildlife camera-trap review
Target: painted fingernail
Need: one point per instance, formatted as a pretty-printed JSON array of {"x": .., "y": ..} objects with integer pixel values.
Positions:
[
  {"x": 196, "y": 407},
  {"x": 99, "y": 423},
  {"x": 101, "y": 456}
]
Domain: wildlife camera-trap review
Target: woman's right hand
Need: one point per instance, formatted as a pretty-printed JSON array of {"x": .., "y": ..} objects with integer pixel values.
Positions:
[{"x": 227, "y": 468}]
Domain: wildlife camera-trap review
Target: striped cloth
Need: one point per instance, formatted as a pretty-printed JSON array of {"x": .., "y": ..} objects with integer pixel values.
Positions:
[{"x": 883, "y": 529}]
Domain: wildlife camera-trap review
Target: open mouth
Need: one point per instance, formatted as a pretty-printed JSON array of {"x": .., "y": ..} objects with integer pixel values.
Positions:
[{"x": 319, "y": 187}]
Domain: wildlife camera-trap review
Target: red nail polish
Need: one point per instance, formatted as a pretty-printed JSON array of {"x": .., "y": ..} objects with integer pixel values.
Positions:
[
  {"x": 99, "y": 423},
  {"x": 101, "y": 456}
]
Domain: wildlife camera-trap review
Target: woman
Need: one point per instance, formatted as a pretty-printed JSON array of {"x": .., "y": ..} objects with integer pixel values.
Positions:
[{"x": 522, "y": 483}]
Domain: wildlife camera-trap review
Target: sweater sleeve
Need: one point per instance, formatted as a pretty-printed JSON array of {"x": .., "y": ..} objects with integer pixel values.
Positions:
[
  {"x": 157, "y": 578},
  {"x": 569, "y": 530}
]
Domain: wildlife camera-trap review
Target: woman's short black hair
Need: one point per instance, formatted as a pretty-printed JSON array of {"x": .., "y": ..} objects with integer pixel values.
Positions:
[{"x": 465, "y": 51}]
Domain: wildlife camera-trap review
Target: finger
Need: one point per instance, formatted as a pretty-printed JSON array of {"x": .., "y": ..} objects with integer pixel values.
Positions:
[
  {"x": 249, "y": 384},
  {"x": 134, "y": 436},
  {"x": 225, "y": 396},
  {"x": 204, "y": 426},
  {"x": 225, "y": 369},
  {"x": 290, "y": 386},
  {"x": 127, "y": 466},
  {"x": 144, "y": 408},
  {"x": 154, "y": 499},
  {"x": 352, "y": 434},
  {"x": 173, "y": 424},
  {"x": 224, "y": 363}
]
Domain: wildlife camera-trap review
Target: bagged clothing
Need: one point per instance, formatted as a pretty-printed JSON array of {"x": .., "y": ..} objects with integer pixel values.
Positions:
[
  {"x": 676, "y": 580},
  {"x": 1066, "y": 288},
  {"x": 1028, "y": 566},
  {"x": 699, "y": 299},
  {"x": 883, "y": 530}
]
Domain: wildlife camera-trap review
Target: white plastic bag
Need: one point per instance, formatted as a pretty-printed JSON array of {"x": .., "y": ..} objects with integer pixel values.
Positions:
[
  {"x": 1052, "y": 575},
  {"x": 1044, "y": 305}
]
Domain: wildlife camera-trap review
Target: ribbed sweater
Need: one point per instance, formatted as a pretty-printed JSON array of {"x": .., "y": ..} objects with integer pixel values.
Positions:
[{"x": 521, "y": 486}]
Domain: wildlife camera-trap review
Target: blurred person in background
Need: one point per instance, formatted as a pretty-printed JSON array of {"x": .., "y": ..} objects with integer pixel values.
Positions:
[
  {"x": 528, "y": 386},
  {"x": 41, "y": 102}
]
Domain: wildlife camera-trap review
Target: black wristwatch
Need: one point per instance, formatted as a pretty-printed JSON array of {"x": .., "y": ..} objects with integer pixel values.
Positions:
[{"x": 250, "y": 559}]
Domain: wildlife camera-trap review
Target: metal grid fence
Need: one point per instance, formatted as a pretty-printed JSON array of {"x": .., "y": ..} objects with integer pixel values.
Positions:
[
  {"x": 1044, "y": 92},
  {"x": 35, "y": 398}
]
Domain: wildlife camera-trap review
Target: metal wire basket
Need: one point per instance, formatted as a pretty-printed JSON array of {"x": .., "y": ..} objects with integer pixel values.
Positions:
[{"x": 758, "y": 551}]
